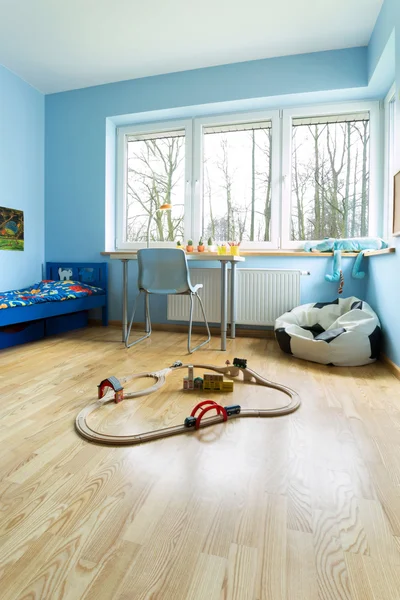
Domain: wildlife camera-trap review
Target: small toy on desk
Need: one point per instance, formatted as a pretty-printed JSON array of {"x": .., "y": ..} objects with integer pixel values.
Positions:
[
  {"x": 210, "y": 245},
  {"x": 227, "y": 362},
  {"x": 114, "y": 384},
  {"x": 234, "y": 248}
]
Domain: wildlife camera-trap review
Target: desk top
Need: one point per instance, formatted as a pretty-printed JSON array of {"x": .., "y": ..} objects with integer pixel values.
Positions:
[
  {"x": 198, "y": 256},
  {"x": 255, "y": 253}
]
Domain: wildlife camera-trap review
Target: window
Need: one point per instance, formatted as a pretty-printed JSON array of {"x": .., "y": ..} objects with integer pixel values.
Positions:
[
  {"x": 237, "y": 190},
  {"x": 268, "y": 180},
  {"x": 156, "y": 175},
  {"x": 154, "y": 170},
  {"x": 329, "y": 173},
  {"x": 389, "y": 171}
]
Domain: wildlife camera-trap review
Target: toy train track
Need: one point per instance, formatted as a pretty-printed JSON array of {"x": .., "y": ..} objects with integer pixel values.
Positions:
[{"x": 223, "y": 413}]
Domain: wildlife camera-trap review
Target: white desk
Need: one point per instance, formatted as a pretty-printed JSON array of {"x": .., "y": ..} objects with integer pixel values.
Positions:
[{"x": 223, "y": 259}]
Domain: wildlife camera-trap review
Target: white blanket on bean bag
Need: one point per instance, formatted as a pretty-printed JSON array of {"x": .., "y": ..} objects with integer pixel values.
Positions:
[{"x": 345, "y": 332}]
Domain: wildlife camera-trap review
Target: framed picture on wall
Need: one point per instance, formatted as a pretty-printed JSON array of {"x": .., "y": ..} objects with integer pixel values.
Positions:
[
  {"x": 396, "y": 205},
  {"x": 11, "y": 229}
]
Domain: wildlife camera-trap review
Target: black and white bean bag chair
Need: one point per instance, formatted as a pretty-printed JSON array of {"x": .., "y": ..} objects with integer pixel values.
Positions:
[{"x": 344, "y": 333}]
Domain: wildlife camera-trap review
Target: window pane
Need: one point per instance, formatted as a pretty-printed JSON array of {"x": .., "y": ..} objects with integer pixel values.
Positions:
[
  {"x": 155, "y": 176},
  {"x": 330, "y": 177},
  {"x": 237, "y": 182},
  {"x": 391, "y": 137}
]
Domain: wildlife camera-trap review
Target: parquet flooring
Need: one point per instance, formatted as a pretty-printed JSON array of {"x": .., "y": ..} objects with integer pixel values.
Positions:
[{"x": 301, "y": 507}]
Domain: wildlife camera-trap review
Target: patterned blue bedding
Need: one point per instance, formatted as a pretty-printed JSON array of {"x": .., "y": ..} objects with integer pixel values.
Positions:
[{"x": 48, "y": 291}]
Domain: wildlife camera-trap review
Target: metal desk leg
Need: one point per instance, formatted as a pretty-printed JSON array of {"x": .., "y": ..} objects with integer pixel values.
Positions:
[
  {"x": 224, "y": 303},
  {"x": 233, "y": 300},
  {"x": 124, "y": 299}
]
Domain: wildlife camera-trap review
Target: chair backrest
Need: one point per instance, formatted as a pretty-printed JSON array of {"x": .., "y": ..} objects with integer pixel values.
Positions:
[{"x": 163, "y": 271}]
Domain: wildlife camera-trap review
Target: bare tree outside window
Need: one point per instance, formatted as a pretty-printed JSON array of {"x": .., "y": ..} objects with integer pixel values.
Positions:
[
  {"x": 330, "y": 177},
  {"x": 155, "y": 176},
  {"x": 237, "y": 182}
]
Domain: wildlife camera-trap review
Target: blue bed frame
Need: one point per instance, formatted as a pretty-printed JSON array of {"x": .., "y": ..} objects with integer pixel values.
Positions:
[{"x": 56, "y": 317}]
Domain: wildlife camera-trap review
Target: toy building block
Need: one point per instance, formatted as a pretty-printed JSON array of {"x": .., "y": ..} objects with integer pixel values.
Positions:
[
  {"x": 188, "y": 384},
  {"x": 208, "y": 381},
  {"x": 227, "y": 386},
  {"x": 216, "y": 383},
  {"x": 208, "y": 377},
  {"x": 198, "y": 383},
  {"x": 213, "y": 377}
]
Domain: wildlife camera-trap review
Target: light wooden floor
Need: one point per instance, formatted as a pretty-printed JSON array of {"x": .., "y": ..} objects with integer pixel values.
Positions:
[{"x": 303, "y": 507}]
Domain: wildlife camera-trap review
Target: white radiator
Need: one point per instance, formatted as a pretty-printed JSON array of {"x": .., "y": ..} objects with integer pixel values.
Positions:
[{"x": 262, "y": 296}]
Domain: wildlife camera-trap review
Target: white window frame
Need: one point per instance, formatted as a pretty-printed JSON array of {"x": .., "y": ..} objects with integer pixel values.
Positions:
[
  {"x": 389, "y": 161},
  {"x": 121, "y": 179},
  {"x": 235, "y": 119},
  {"x": 375, "y": 201},
  {"x": 280, "y": 175}
]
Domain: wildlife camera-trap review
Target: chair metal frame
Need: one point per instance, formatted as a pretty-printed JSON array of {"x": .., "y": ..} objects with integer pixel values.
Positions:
[{"x": 148, "y": 328}]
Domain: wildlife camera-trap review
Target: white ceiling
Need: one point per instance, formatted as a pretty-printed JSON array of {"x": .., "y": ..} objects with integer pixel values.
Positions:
[{"x": 58, "y": 45}]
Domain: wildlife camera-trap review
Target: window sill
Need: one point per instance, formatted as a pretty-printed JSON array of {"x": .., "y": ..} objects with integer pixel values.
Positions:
[{"x": 255, "y": 253}]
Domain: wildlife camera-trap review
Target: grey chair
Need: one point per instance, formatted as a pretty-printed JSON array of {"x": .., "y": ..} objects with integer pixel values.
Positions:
[{"x": 165, "y": 271}]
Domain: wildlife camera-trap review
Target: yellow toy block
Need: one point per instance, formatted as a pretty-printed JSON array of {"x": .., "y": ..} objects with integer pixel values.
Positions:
[{"x": 227, "y": 386}]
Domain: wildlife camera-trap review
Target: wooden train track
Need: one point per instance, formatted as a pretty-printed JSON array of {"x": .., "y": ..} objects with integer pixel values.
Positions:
[{"x": 230, "y": 371}]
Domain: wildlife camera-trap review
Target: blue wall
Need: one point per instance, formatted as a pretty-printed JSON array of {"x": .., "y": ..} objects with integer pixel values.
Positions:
[
  {"x": 22, "y": 176},
  {"x": 79, "y": 122},
  {"x": 76, "y": 125},
  {"x": 383, "y": 290}
]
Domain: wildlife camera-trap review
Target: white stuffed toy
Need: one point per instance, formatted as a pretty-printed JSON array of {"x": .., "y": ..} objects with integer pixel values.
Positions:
[{"x": 64, "y": 274}]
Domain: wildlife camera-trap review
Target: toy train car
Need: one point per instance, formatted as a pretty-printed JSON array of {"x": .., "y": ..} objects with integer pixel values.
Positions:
[{"x": 241, "y": 363}]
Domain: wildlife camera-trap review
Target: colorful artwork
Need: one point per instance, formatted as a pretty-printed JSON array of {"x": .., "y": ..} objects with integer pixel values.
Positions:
[{"x": 11, "y": 229}]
